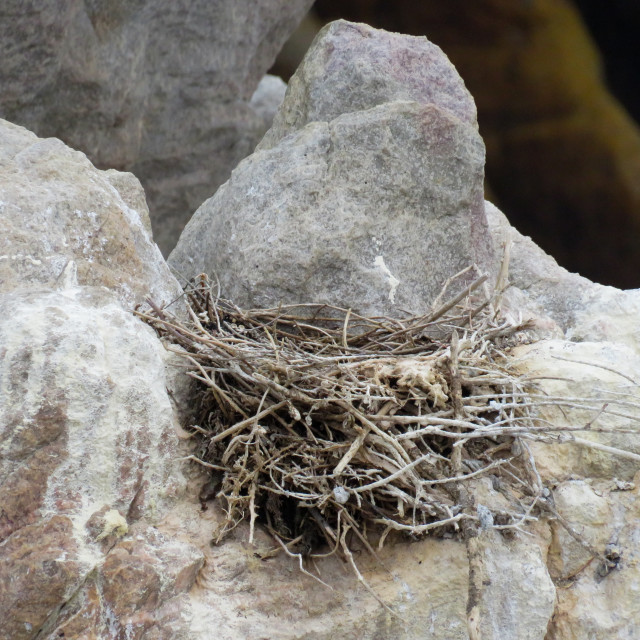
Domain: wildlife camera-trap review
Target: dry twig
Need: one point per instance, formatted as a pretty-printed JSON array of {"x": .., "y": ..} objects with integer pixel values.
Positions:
[{"x": 324, "y": 422}]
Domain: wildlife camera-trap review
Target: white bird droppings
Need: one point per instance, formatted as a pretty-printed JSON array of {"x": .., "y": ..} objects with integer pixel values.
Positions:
[{"x": 393, "y": 281}]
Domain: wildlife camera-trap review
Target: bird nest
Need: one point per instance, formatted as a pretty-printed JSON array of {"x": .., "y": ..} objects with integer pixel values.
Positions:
[{"x": 327, "y": 426}]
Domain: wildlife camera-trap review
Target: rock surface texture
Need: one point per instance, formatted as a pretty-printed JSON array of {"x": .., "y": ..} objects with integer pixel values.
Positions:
[
  {"x": 88, "y": 434},
  {"x": 63, "y": 220},
  {"x": 105, "y": 533},
  {"x": 88, "y": 449},
  {"x": 352, "y": 67},
  {"x": 563, "y": 156},
  {"x": 356, "y": 173},
  {"x": 328, "y": 208},
  {"x": 161, "y": 89}
]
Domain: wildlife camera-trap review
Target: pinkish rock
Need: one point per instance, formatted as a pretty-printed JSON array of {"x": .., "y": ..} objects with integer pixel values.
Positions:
[
  {"x": 39, "y": 572},
  {"x": 353, "y": 67},
  {"x": 88, "y": 447},
  {"x": 138, "y": 589}
]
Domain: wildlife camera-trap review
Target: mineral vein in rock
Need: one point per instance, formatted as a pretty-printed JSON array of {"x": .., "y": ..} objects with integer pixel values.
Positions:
[{"x": 393, "y": 281}]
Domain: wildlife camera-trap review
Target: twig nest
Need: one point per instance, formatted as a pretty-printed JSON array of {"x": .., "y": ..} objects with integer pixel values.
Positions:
[{"x": 323, "y": 421}]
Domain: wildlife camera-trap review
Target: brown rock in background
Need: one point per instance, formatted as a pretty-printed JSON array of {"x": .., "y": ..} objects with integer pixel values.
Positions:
[{"x": 563, "y": 157}]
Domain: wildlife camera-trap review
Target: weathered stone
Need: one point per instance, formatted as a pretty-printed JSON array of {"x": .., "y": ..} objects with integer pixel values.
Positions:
[
  {"x": 353, "y": 67},
  {"x": 87, "y": 447},
  {"x": 593, "y": 603},
  {"x": 249, "y": 598},
  {"x": 539, "y": 285},
  {"x": 141, "y": 581},
  {"x": 66, "y": 394},
  {"x": 589, "y": 375},
  {"x": 562, "y": 155},
  {"x": 599, "y": 365},
  {"x": 331, "y": 214},
  {"x": 564, "y": 304},
  {"x": 517, "y": 597},
  {"x": 62, "y": 220},
  {"x": 39, "y": 571},
  {"x": 588, "y": 513},
  {"x": 160, "y": 89},
  {"x": 331, "y": 207},
  {"x": 425, "y": 582},
  {"x": 327, "y": 209},
  {"x": 588, "y": 359}
]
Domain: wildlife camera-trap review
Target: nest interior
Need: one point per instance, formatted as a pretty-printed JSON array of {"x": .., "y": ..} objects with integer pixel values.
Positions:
[{"x": 331, "y": 428}]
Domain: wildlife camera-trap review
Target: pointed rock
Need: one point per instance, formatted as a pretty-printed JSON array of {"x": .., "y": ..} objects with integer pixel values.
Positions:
[
  {"x": 353, "y": 67},
  {"x": 371, "y": 205}
]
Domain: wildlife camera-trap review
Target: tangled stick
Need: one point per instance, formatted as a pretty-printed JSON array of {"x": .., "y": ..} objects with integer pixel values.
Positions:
[{"x": 331, "y": 428}]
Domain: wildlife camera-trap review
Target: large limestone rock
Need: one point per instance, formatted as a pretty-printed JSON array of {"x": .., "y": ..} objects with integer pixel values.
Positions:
[
  {"x": 89, "y": 447},
  {"x": 330, "y": 212},
  {"x": 88, "y": 450},
  {"x": 161, "y": 89},
  {"x": 62, "y": 219}
]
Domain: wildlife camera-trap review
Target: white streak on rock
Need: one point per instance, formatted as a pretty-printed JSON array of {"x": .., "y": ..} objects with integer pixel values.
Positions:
[
  {"x": 69, "y": 276},
  {"x": 393, "y": 281}
]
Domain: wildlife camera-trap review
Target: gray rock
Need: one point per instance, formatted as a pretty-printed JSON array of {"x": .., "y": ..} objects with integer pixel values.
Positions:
[
  {"x": 62, "y": 222},
  {"x": 372, "y": 211},
  {"x": 267, "y": 98},
  {"x": 589, "y": 513},
  {"x": 564, "y": 304},
  {"x": 365, "y": 193},
  {"x": 353, "y": 67},
  {"x": 518, "y": 595},
  {"x": 160, "y": 89}
]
